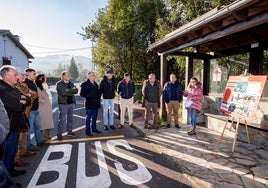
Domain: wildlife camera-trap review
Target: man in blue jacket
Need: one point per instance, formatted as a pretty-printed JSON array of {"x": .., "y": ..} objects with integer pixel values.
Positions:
[
  {"x": 126, "y": 89},
  {"x": 172, "y": 95}
]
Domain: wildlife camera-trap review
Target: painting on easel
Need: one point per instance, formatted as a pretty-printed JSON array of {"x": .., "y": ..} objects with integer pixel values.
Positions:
[{"x": 242, "y": 96}]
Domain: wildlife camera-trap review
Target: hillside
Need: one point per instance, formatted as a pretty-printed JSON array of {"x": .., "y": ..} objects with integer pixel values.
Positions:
[{"x": 49, "y": 63}]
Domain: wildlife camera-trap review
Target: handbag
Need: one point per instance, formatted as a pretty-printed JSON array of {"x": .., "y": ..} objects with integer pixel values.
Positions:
[{"x": 188, "y": 103}]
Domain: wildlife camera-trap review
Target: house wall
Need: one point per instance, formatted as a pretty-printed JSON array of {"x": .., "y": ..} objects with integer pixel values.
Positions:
[{"x": 11, "y": 51}]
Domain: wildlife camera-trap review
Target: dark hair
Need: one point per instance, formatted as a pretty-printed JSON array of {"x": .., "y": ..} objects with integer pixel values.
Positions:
[
  {"x": 39, "y": 80},
  {"x": 29, "y": 70},
  {"x": 63, "y": 73},
  {"x": 194, "y": 78}
]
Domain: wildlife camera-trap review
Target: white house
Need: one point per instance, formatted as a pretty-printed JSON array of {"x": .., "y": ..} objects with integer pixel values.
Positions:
[{"x": 12, "y": 52}]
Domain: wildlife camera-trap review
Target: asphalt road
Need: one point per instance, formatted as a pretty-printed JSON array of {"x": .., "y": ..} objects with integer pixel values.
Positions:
[{"x": 113, "y": 158}]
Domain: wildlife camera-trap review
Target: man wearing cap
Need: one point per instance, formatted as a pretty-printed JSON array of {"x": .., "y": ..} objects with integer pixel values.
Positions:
[
  {"x": 126, "y": 89},
  {"x": 107, "y": 88}
]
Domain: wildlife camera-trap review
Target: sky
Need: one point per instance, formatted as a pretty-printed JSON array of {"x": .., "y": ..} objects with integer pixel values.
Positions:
[{"x": 46, "y": 26}]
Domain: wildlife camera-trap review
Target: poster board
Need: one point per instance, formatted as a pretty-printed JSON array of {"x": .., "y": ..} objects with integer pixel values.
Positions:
[{"x": 242, "y": 96}]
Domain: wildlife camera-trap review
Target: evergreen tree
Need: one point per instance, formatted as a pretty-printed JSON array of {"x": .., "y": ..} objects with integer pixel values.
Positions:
[{"x": 73, "y": 69}]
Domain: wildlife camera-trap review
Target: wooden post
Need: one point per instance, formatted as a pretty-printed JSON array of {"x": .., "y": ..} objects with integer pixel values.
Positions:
[{"x": 163, "y": 76}]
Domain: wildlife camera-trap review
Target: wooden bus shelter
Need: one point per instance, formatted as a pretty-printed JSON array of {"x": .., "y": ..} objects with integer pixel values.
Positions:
[{"x": 240, "y": 27}]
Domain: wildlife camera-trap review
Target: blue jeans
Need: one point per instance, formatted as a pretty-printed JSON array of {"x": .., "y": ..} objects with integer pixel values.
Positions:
[
  {"x": 91, "y": 116},
  {"x": 11, "y": 148},
  {"x": 5, "y": 179},
  {"x": 66, "y": 112},
  {"x": 108, "y": 111},
  {"x": 34, "y": 130},
  {"x": 193, "y": 114}
]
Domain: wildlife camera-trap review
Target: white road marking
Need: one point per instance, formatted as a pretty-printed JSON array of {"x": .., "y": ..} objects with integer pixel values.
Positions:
[
  {"x": 139, "y": 176},
  {"x": 102, "y": 180},
  {"x": 57, "y": 165}
]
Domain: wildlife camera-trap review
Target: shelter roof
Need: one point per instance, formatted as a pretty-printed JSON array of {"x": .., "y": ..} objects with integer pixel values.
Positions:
[{"x": 219, "y": 31}]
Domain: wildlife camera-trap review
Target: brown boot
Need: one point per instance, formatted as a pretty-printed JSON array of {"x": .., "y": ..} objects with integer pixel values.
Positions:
[{"x": 192, "y": 132}]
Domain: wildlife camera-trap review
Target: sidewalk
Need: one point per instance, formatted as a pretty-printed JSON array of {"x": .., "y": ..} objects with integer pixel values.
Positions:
[{"x": 206, "y": 159}]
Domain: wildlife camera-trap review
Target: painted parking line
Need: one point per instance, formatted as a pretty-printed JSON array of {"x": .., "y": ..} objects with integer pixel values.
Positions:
[{"x": 84, "y": 139}]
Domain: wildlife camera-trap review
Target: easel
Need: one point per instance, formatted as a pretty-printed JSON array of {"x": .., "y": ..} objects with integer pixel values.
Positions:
[{"x": 236, "y": 128}]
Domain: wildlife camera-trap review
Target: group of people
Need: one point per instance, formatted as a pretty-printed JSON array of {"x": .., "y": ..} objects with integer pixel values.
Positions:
[
  {"x": 26, "y": 108},
  {"x": 106, "y": 90},
  {"x": 151, "y": 90},
  {"x": 26, "y": 113},
  {"x": 172, "y": 96}
]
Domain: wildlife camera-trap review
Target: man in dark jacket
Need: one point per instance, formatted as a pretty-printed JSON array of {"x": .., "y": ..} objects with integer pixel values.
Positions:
[
  {"x": 34, "y": 138},
  {"x": 66, "y": 100},
  {"x": 90, "y": 90},
  {"x": 151, "y": 91},
  {"x": 108, "y": 87},
  {"x": 14, "y": 103},
  {"x": 126, "y": 89},
  {"x": 172, "y": 95}
]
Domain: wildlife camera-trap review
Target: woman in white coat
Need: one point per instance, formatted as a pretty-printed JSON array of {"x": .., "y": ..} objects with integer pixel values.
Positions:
[{"x": 45, "y": 106}]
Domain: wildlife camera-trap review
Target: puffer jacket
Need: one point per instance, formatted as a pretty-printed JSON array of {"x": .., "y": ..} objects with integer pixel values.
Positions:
[{"x": 196, "y": 96}]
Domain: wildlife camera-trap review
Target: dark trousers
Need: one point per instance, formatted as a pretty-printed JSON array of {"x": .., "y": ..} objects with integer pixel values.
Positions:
[
  {"x": 92, "y": 115},
  {"x": 11, "y": 149}
]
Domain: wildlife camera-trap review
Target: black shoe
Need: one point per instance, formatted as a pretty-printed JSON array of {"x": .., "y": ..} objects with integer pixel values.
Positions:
[
  {"x": 112, "y": 127},
  {"x": 168, "y": 126},
  {"x": 89, "y": 134},
  {"x": 177, "y": 126},
  {"x": 71, "y": 134},
  {"x": 106, "y": 128},
  {"x": 59, "y": 137},
  {"x": 16, "y": 173},
  {"x": 32, "y": 148},
  {"x": 96, "y": 131},
  {"x": 18, "y": 185},
  {"x": 40, "y": 143}
]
